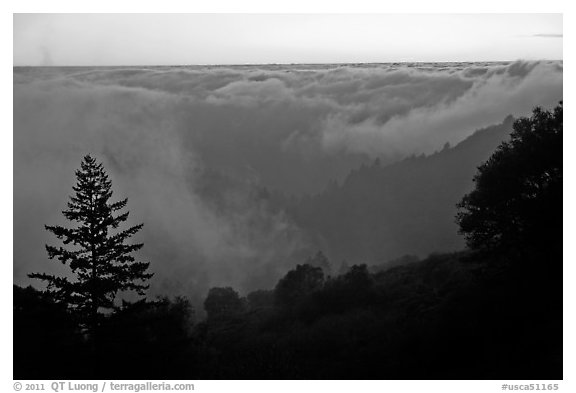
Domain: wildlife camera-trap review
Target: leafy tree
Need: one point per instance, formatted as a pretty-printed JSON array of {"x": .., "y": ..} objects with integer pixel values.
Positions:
[
  {"x": 260, "y": 299},
  {"x": 358, "y": 278},
  {"x": 355, "y": 288},
  {"x": 222, "y": 301},
  {"x": 517, "y": 202},
  {"x": 100, "y": 258},
  {"x": 297, "y": 284}
]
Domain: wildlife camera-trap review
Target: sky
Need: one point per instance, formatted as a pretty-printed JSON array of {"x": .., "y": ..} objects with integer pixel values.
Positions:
[{"x": 181, "y": 39}]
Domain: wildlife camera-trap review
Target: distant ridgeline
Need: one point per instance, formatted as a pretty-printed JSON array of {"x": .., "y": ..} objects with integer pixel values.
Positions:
[{"x": 380, "y": 213}]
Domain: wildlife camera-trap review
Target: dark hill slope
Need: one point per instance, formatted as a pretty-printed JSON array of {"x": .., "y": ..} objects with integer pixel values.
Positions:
[{"x": 383, "y": 212}]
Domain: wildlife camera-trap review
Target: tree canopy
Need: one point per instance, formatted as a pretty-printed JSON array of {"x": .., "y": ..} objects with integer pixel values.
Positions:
[
  {"x": 517, "y": 200},
  {"x": 298, "y": 283},
  {"x": 222, "y": 301}
]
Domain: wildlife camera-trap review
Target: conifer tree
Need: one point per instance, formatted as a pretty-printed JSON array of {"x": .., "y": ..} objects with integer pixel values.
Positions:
[{"x": 98, "y": 255}]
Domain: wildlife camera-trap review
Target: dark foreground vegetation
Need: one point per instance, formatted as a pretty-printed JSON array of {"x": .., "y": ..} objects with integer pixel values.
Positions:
[
  {"x": 493, "y": 311},
  {"x": 454, "y": 316}
]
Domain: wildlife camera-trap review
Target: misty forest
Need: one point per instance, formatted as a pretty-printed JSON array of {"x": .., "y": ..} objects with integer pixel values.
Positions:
[{"x": 350, "y": 221}]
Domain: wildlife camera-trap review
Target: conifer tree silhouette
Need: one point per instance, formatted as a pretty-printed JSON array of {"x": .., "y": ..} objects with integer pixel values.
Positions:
[{"x": 100, "y": 259}]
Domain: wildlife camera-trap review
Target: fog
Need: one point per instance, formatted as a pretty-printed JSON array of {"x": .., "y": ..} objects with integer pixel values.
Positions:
[{"x": 160, "y": 131}]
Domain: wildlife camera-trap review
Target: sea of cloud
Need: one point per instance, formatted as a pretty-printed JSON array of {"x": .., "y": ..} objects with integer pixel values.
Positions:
[{"x": 291, "y": 128}]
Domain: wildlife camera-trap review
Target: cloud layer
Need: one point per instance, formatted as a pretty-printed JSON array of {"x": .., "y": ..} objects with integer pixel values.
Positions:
[
  {"x": 159, "y": 131},
  {"x": 192, "y": 242}
]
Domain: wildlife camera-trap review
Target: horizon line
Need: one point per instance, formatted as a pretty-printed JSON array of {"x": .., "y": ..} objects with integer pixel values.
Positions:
[{"x": 285, "y": 64}]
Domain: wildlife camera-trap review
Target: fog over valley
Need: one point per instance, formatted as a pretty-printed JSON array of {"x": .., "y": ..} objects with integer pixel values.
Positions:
[{"x": 241, "y": 172}]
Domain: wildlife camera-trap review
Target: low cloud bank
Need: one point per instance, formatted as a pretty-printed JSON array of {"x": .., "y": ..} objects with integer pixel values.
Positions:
[
  {"x": 191, "y": 242},
  {"x": 293, "y": 128}
]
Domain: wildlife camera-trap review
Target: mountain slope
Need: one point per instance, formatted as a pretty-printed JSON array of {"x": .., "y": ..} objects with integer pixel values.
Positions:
[{"x": 383, "y": 212}]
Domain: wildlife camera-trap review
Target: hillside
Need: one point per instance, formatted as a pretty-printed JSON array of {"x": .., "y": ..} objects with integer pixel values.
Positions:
[{"x": 404, "y": 208}]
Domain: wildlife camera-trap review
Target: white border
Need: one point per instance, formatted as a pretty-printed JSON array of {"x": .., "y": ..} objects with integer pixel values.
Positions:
[{"x": 296, "y": 6}]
